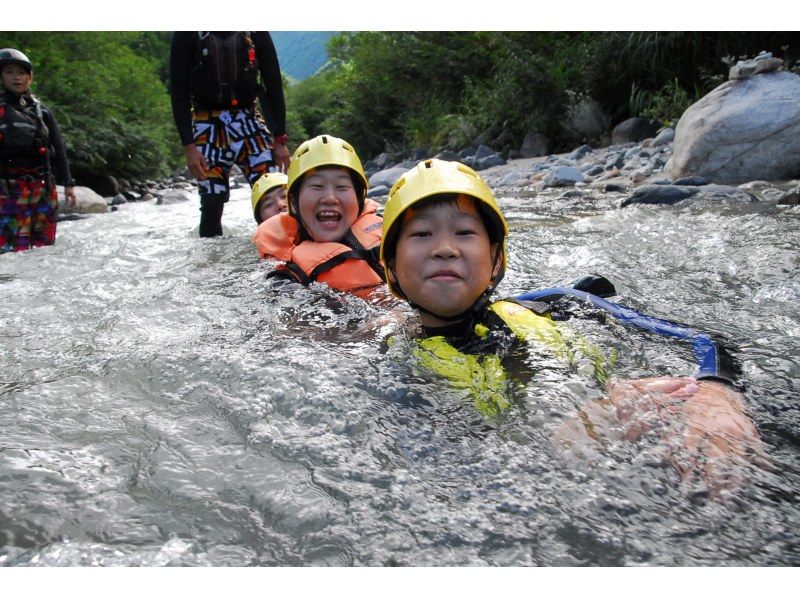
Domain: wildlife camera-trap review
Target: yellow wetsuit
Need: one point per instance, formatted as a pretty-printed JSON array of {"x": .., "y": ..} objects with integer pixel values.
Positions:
[{"x": 481, "y": 372}]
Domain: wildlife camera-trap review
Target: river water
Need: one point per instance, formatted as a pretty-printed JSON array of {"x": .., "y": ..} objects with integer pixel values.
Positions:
[{"x": 161, "y": 405}]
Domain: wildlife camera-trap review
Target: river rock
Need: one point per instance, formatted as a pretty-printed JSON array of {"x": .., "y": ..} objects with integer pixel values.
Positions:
[
  {"x": 513, "y": 178},
  {"x": 387, "y": 177},
  {"x": 487, "y": 162},
  {"x": 534, "y": 145},
  {"x": 763, "y": 63},
  {"x": 588, "y": 120},
  {"x": 378, "y": 191},
  {"x": 171, "y": 196},
  {"x": 382, "y": 161},
  {"x": 580, "y": 152},
  {"x": 724, "y": 192},
  {"x": 792, "y": 198},
  {"x": 664, "y": 137},
  {"x": 448, "y": 155},
  {"x": 691, "y": 181},
  {"x": 563, "y": 176},
  {"x": 743, "y": 130},
  {"x": 662, "y": 195},
  {"x": 88, "y": 202},
  {"x": 102, "y": 184},
  {"x": 118, "y": 199},
  {"x": 634, "y": 129}
]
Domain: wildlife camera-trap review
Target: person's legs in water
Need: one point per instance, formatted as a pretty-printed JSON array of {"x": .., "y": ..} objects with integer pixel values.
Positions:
[{"x": 211, "y": 138}]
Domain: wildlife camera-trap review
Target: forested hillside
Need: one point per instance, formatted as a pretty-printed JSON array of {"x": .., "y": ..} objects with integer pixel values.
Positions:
[{"x": 301, "y": 53}]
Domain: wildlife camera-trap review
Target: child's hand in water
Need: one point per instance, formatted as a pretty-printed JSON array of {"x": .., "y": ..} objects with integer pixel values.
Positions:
[{"x": 703, "y": 423}]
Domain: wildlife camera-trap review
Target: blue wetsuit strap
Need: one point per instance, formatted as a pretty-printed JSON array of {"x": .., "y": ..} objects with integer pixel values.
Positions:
[{"x": 705, "y": 349}]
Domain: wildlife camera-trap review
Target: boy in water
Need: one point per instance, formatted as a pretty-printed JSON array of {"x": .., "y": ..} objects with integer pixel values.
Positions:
[
  {"x": 269, "y": 196},
  {"x": 444, "y": 253},
  {"x": 331, "y": 233}
]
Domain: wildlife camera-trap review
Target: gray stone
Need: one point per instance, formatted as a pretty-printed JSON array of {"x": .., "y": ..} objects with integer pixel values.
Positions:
[
  {"x": 387, "y": 177},
  {"x": 487, "y": 162},
  {"x": 763, "y": 63},
  {"x": 663, "y": 181},
  {"x": 634, "y": 129},
  {"x": 131, "y": 195},
  {"x": 147, "y": 197},
  {"x": 572, "y": 194},
  {"x": 792, "y": 198},
  {"x": 563, "y": 176},
  {"x": 615, "y": 161},
  {"x": 483, "y": 151},
  {"x": 588, "y": 120},
  {"x": 468, "y": 152},
  {"x": 379, "y": 191},
  {"x": 171, "y": 196},
  {"x": 724, "y": 192},
  {"x": 512, "y": 178},
  {"x": 691, "y": 181},
  {"x": 382, "y": 160},
  {"x": 743, "y": 130},
  {"x": 595, "y": 170},
  {"x": 118, "y": 199},
  {"x": 659, "y": 194},
  {"x": 448, "y": 155},
  {"x": 580, "y": 152},
  {"x": 664, "y": 137},
  {"x": 614, "y": 188},
  {"x": 534, "y": 145},
  {"x": 87, "y": 202}
]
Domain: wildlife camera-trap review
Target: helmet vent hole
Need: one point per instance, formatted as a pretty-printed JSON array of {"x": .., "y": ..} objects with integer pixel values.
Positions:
[
  {"x": 427, "y": 163},
  {"x": 324, "y": 139}
]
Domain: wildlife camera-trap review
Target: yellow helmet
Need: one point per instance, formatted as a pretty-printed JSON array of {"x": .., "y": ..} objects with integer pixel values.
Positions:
[
  {"x": 324, "y": 150},
  {"x": 434, "y": 177},
  {"x": 265, "y": 184}
]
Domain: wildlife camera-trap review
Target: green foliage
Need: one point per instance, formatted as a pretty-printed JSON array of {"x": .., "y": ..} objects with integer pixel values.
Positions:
[{"x": 108, "y": 94}]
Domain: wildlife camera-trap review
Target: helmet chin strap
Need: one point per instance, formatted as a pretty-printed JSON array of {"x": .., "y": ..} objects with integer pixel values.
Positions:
[{"x": 473, "y": 311}]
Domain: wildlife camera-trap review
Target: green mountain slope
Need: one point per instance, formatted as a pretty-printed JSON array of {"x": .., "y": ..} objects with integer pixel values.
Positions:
[{"x": 301, "y": 53}]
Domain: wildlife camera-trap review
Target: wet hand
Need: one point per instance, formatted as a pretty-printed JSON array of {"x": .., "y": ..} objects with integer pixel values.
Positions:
[
  {"x": 198, "y": 167},
  {"x": 703, "y": 423},
  {"x": 69, "y": 195}
]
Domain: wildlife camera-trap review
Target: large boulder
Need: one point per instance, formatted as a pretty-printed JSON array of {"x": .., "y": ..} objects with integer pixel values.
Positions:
[
  {"x": 587, "y": 120},
  {"x": 745, "y": 129},
  {"x": 387, "y": 177},
  {"x": 102, "y": 184},
  {"x": 88, "y": 202},
  {"x": 633, "y": 130},
  {"x": 534, "y": 145}
]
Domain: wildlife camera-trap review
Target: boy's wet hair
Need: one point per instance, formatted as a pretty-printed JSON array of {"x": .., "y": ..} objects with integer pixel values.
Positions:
[{"x": 493, "y": 228}]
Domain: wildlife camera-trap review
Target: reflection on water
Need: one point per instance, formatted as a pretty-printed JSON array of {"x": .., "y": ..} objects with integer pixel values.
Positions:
[{"x": 161, "y": 405}]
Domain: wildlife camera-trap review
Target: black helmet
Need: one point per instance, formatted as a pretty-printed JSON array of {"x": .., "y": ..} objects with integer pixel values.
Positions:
[{"x": 12, "y": 56}]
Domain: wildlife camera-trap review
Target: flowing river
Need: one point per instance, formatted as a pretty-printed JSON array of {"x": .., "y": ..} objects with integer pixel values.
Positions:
[{"x": 161, "y": 405}]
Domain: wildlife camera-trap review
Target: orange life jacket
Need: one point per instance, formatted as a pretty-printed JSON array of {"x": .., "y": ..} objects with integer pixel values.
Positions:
[{"x": 350, "y": 265}]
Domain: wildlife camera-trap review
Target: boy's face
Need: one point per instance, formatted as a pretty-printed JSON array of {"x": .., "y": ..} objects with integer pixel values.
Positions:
[
  {"x": 16, "y": 79},
  {"x": 328, "y": 204},
  {"x": 443, "y": 260},
  {"x": 272, "y": 203}
]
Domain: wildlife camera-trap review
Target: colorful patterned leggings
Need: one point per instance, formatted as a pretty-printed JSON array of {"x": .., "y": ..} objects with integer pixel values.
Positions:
[
  {"x": 225, "y": 138},
  {"x": 28, "y": 209}
]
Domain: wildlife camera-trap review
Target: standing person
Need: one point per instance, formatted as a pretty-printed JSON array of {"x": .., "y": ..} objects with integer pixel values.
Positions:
[
  {"x": 31, "y": 153},
  {"x": 214, "y": 83}
]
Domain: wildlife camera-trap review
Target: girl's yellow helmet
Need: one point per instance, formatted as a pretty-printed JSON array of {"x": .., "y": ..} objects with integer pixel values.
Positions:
[
  {"x": 321, "y": 151},
  {"x": 435, "y": 177},
  {"x": 265, "y": 184}
]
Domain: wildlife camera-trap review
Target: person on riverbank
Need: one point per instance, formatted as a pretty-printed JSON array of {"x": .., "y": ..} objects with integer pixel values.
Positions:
[
  {"x": 331, "y": 233},
  {"x": 32, "y": 159},
  {"x": 269, "y": 196},
  {"x": 444, "y": 252},
  {"x": 214, "y": 84}
]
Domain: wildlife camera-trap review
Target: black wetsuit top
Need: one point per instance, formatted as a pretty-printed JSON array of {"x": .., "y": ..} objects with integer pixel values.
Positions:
[
  {"x": 58, "y": 152},
  {"x": 181, "y": 61}
]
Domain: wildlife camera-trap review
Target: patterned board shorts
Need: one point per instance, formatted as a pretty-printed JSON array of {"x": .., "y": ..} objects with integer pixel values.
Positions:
[
  {"x": 228, "y": 137},
  {"x": 27, "y": 202}
]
